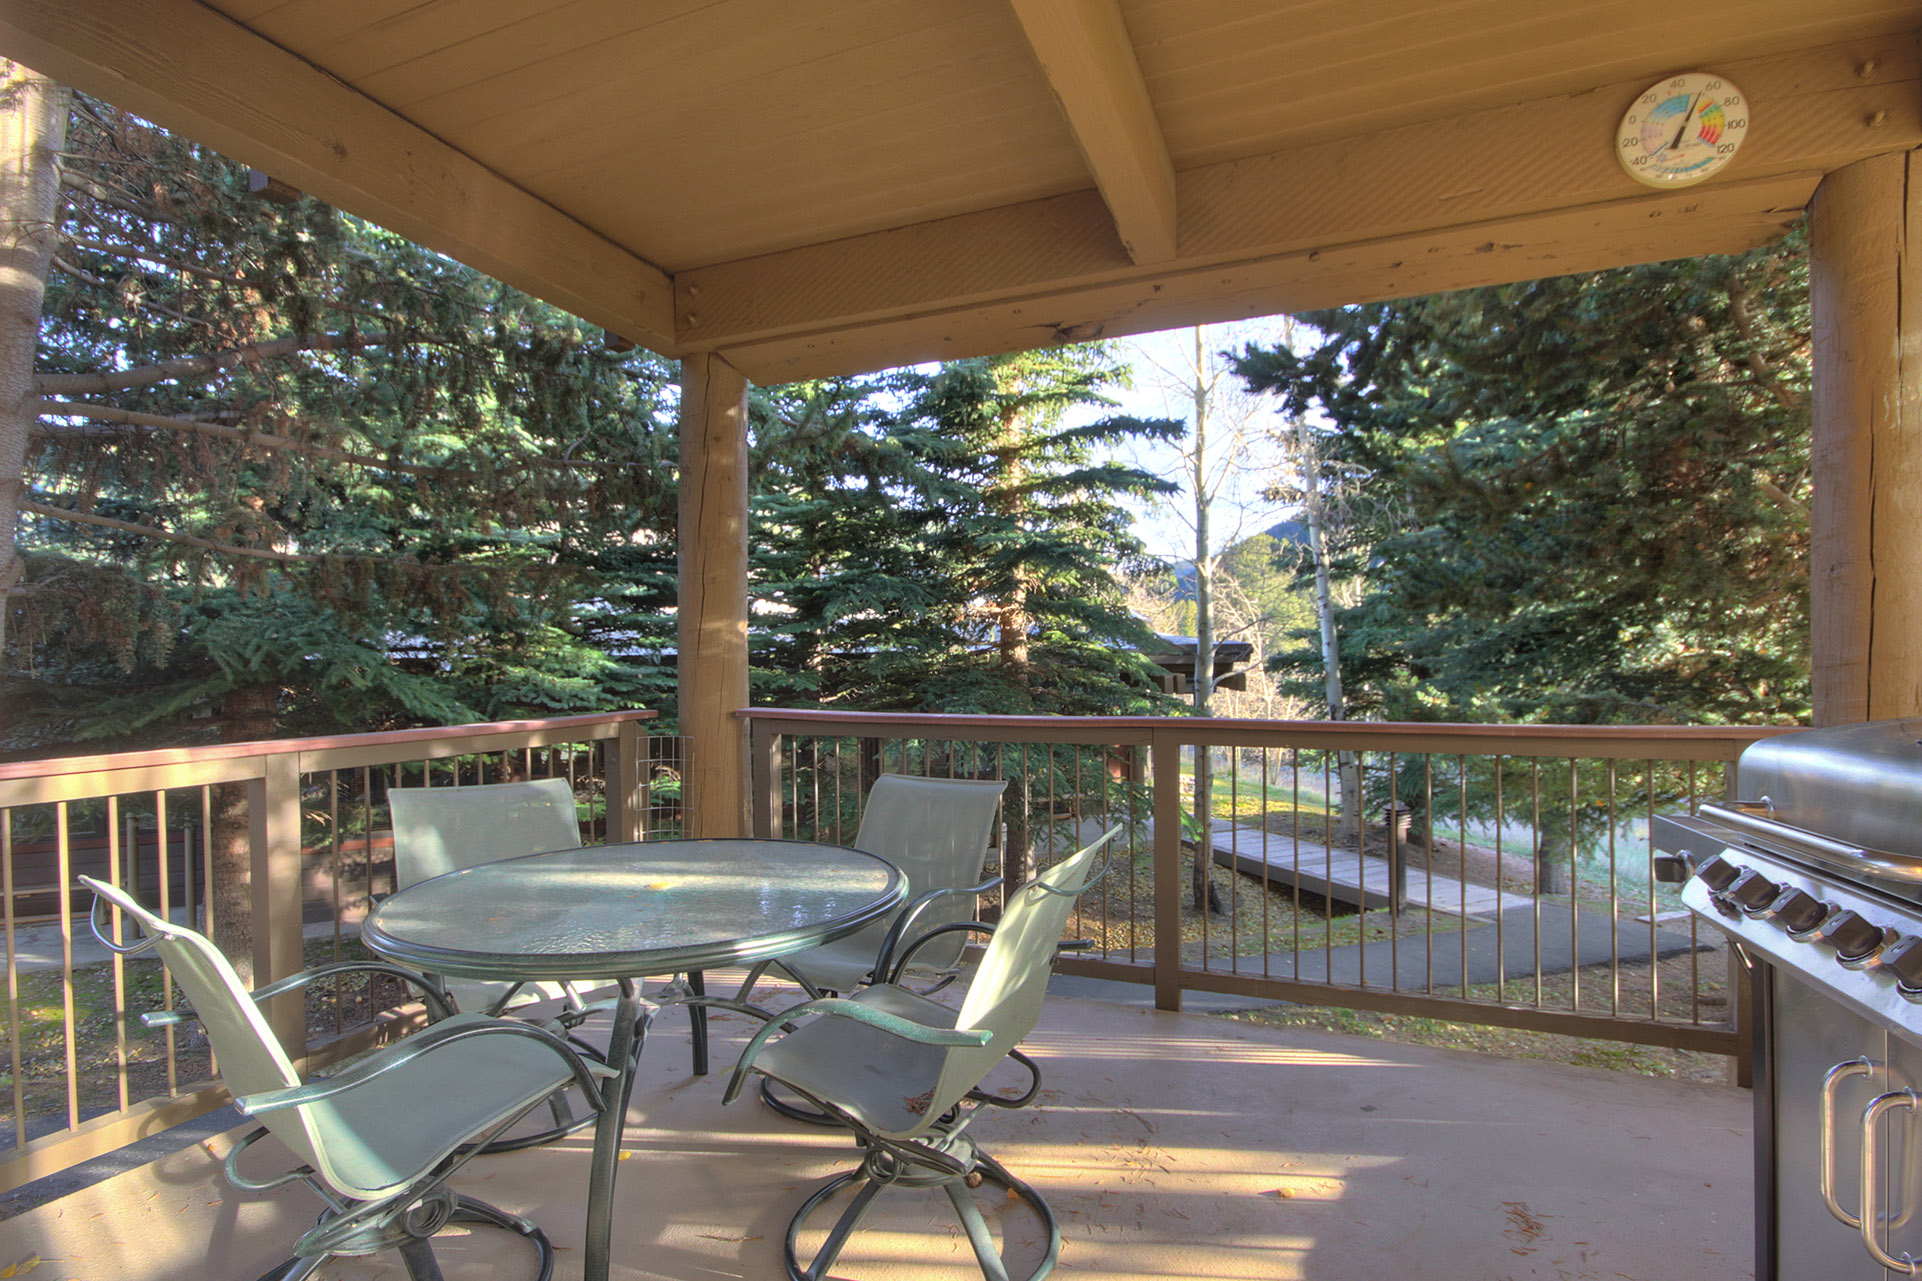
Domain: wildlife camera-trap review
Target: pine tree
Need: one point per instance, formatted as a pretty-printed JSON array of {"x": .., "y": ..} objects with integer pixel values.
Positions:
[
  {"x": 1590, "y": 503},
  {"x": 275, "y": 449}
]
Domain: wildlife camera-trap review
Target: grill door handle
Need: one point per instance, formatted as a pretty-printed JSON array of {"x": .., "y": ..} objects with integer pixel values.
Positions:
[
  {"x": 1872, "y": 1178},
  {"x": 1830, "y": 1084}
]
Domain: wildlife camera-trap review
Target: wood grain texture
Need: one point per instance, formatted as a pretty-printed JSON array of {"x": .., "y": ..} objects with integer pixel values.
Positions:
[
  {"x": 1085, "y": 52},
  {"x": 1424, "y": 180},
  {"x": 1857, "y": 230},
  {"x": 1233, "y": 79},
  {"x": 190, "y": 69},
  {"x": 1725, "y": 218},
  {"x": 712, "y": 607}
]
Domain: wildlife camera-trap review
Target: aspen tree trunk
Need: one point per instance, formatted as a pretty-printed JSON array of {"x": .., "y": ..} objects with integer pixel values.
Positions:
[
  {"x": 1202, "y": 889},
  {"x": 1347, "y": 767},
  {"x": 33, "y": 131}
]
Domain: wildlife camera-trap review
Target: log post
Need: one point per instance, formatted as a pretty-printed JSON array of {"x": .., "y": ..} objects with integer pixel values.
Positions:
[
  {"x": 1865, "y": 553},
  {"x": 713, "y": 593}
]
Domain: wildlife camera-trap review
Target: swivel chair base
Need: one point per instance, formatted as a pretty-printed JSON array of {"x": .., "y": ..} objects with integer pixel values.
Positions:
[
  {"x": 415, "y": 1242},
  {"x": 882, "y": 1169}
]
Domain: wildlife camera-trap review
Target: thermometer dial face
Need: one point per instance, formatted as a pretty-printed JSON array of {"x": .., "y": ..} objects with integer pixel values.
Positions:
[{"x": 1682, "y": 130}]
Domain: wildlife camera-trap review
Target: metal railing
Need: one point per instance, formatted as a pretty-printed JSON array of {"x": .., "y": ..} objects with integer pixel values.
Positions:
[
  {"x": 289, "y": 840},
  {"x": 1472, "y": 873}
]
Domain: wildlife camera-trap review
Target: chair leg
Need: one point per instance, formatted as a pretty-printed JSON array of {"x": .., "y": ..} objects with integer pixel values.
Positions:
[
  {"x": 993, "y": 1266},
  {"x": 697, "y": 1021},
  {"x": 837, "y": 1235},
  {"x": 468, "y": 1210},
  {"x": 420, "y": 1261},
  {"x": 417, "y": 1252}
]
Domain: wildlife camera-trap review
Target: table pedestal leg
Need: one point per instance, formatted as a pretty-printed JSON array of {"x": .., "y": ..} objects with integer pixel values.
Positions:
[{"x": 623, "y": 1053}]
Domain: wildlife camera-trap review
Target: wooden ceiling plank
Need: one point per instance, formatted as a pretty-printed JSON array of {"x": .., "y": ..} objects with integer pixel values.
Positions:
[
  {"x": 1815, "y": 111},
  {"x": 1089, "y": 61},
  {"x": 399, "y": 40},
  {"x": 1654, "y": 227},
  {"x": 716, "y": 51},
  {"x": 192, "y": 70},
  {"x": 1230, "y": 88}
]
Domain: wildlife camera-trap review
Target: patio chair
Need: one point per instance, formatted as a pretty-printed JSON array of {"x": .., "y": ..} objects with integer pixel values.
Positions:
[
  {"x": 378, "y": 1139},
  {"x": 443, "y": 829},
  {"x": 902, "y": 1071},
  {"x": 936, "y": 831}
]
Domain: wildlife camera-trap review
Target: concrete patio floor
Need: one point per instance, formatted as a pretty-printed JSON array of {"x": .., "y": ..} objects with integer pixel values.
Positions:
[{"x": 1170, "y": 1145}]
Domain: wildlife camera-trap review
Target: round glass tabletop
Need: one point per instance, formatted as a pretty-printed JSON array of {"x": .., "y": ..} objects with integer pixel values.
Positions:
[{"x": 655, "y": 907}]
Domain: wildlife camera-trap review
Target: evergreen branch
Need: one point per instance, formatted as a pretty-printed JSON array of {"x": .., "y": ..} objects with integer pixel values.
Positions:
[
  {"x": 94, "y": 191},
  {"x": 146, "y": 531},
  {"x": 1765, "y": 374},
  {"x": 146, "y": 255},
  {"x": 200, "y": 366},
  {"x": 266, "y": 440},
  {"x": 88, "y": 277}
]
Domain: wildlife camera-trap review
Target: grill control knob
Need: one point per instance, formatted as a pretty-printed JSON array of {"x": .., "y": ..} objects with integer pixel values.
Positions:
[
  {"x": 1852, "y": 937},
  {"x": 1717, "y": 873},
  {"x": 1902, "y": 960},
  {"x": 1799, "y": 911},
  {"x": 1752, "y": 892}
]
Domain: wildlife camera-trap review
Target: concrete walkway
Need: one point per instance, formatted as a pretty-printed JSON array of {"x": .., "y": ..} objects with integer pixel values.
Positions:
[
  {"x": 1420, "y": 962},
  {"x": 1172, "y": 1146}
]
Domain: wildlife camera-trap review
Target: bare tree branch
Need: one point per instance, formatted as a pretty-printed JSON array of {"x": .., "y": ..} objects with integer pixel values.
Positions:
[{"x": 147, "y": 255}]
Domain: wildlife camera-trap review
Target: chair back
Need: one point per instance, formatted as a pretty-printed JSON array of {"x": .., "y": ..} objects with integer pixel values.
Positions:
[
  {"x": 936, "y": 831},
  {"x": 443, "y": 829},
  {"x": 250, "y": 1055},
  {"x": 1011, "y": 982}
]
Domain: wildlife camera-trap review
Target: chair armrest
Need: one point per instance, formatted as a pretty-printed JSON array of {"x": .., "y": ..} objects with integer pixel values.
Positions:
[
  {"x": 429, "y": 1039},
  {"x": 440, "y": 1004},
  {"x": 841, "y": 1007},
  {"x": 883, "y": 961},
  {"x": 907, "y": 957}
]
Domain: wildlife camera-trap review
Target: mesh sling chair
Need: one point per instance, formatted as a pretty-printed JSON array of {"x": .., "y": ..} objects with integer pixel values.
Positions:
[
  {"x": 378, "y": 1139},
  {"x": 444, "y": 829},
  {"x": 936, "y": 831},
  {"x": 902, "y": 1072}
]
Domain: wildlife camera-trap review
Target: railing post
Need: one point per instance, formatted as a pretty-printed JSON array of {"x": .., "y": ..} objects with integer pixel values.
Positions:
[
  {"x": 273, "y": 805},
  {"x": 625, "y": 813},
  {"x": 764, "y": 763},
  {"x": 1165, "y": 759}
]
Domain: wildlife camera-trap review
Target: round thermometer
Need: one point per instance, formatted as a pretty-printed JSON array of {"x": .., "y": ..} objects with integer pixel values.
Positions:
[{"x": 1682, "y": 130}]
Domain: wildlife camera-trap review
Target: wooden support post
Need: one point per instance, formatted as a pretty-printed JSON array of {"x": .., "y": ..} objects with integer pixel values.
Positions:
[
  {"x": 1165, "y": 762},
  {"x": 1865, "y": 556},
  {"x": 626, "y": 766},
  {"x": 713, "y": 592},
  {"x": 273, "y": 806}
]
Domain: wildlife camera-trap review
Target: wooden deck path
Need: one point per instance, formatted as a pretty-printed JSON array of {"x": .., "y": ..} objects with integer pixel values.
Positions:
[{"x": 1348, "y": 877}]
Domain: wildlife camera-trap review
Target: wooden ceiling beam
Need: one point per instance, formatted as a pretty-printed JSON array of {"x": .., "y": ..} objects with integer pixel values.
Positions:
[
  {"x": 1041, "y": 265},
  {"x": 1089, "y": 61},
  {"x": 192, "y": 70},
  {"x": 1725, "y": 218}
]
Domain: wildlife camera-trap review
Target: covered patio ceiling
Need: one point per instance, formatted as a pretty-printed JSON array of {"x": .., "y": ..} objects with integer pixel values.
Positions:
[{"x": 810, "y": 189}]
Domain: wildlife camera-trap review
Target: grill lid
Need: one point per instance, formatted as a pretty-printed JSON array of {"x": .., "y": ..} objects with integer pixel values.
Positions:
[{"x": 1859, "y": 785}]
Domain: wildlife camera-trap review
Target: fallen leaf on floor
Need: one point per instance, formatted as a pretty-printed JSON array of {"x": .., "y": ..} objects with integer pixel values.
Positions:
[{"x": 21, "y": 1268}]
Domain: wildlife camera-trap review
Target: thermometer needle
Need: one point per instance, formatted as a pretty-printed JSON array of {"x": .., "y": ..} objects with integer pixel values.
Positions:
[{"x": 1687, "y": 116}]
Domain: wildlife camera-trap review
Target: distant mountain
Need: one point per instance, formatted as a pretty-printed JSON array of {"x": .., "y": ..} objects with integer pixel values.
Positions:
[{"x": 1287, "y": 531}]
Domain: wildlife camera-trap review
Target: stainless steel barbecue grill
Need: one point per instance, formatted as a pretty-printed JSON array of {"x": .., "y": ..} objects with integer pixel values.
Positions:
[{"x": 1816, "y": 874}]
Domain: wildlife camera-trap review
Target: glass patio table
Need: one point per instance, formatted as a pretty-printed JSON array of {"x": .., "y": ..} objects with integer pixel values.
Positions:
[{"x": 627, "y": 912}]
